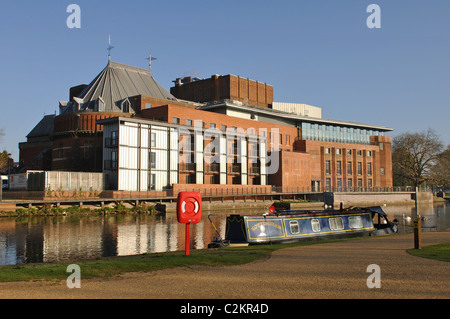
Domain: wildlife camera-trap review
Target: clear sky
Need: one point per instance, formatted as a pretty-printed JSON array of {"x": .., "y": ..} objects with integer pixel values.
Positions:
[{"x": 318, "y": 52}]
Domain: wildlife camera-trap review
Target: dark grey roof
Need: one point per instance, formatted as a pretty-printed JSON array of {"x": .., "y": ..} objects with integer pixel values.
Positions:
[
  {"x": 44, "y": 127},
  {"x": 114, "y": 84}
]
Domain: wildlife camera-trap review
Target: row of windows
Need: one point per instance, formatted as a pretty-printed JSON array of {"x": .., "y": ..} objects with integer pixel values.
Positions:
[
  {"x": 349, "y": 152},
  {"x": 349, "y": 168},
  {"x": 334, "y": 133},
  {"x": 337, "y": 223},
  {"x": 340, "y": 184}
]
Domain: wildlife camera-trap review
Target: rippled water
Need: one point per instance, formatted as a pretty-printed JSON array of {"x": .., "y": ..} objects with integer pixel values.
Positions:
[{"x": 49, "y": 239}]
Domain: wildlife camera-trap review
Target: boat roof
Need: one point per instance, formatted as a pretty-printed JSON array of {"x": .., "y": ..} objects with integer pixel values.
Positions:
[{"x": 373, "y": 209}]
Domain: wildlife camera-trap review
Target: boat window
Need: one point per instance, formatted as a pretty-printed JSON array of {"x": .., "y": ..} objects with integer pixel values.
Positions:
[
  {"x": 315, "y": 224},
  {"x": 336, "y": 223},
  {"x": 355, "y": 222},
  {"x": 293, "y": 225}
]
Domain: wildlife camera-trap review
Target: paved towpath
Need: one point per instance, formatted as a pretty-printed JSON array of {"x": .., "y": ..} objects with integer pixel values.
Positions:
[{"x": 332, "y": 270}]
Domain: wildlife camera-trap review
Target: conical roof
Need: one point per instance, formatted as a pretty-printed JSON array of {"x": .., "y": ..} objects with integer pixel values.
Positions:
[{"x": 117, "y": 82}]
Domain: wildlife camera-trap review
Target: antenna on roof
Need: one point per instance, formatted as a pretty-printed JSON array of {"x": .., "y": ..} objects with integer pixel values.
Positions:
[
  {"x": 150, "y": 59},
  {"x": 109, "y": 48}
]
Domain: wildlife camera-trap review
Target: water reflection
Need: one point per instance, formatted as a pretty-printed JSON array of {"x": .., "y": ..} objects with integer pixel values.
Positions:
[{"x": 49, "y": 239}]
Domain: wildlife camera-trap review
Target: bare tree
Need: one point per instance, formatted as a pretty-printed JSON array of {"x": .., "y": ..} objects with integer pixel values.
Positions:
[
  {"x": 440, "y": 172},
  {"x": 413, "y": 156}
]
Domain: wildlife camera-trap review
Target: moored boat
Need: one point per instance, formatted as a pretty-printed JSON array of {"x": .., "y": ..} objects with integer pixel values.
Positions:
[{"x": 297, "y": 225}]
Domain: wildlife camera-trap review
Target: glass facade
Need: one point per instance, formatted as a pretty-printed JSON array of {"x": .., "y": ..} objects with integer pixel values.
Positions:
[{"x": 339, "y": 134}]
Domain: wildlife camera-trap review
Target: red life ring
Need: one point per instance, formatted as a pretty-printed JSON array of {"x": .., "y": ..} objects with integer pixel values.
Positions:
[{"x": 189, "y": 207}]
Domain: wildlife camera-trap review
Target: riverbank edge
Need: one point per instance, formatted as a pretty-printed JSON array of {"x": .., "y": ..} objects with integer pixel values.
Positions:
[
  {"x": 105, "y": 268},
  {"x": 109, "y": 267},
  {"x": 157, "y": 208}
]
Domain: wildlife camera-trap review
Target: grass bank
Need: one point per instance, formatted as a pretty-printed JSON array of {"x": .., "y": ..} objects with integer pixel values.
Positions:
[
  {"x": 438, "y": 252},
  {"x": 112, "y": 266}
]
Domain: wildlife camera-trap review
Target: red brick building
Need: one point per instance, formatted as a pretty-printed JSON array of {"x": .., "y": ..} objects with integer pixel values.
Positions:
[{"x": 312, "y": 153}]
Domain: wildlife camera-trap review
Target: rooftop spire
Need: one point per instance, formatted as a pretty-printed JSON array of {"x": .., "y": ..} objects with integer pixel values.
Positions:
[
  {"x": 109, "y": 48},
  {"x": 150, "y": 59}
]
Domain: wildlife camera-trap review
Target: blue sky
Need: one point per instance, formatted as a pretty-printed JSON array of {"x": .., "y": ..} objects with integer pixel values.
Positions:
[{"x": 318, "y": 52}]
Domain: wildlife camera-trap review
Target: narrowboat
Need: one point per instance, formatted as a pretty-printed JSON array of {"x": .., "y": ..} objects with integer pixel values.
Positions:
[{"x": 298, "y": 225}]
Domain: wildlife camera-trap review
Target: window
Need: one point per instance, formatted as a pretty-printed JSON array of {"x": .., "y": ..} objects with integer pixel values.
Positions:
[
  {"x": 327, "y": 167},
  {"x": 359, "y": 168},
  {"x": 336, "y": 223},
  {"x": 349, "y": 152},
  {"x": 152, "y": 160},
  {"x": 369, "y": 183},
  {"x": 360, "y": 183},
  {"x": 338, "y": 151},
  {"x": 327, "y": 150},
  {"x": 349, "y": 168},
  {"x": 176, "y": 120},
  {"x": 114, "y": 160},
  {"x": 355, "y": 222},
  {"x": 350, "y": 183},
  {"x": 215, "y": 179},
  {"x": 293, "y": 225},
  {"x": 369, "y": 153},
  {"x": 339, "y": 167},
  {"x": 315, "y": 225},
  {"x": 125, "y": 106},
  {"x": 223, "y": 127},
  {"x": 190, "y": 179},
  {"x": 288, "y": 140},
  {"x": 281, "y": 138},
  {"x": 152, "y": 185},
  {"x": 359, "y": 153},
  {"x": 148, "y": 106},
  {"x": 382, "y": 171},
  {"x": 114, "y": 156},
  {"x": 212, "y": 125},
  {"x": 114, "y": 137},
  {"x": 189, "y": 122},
  {"x": 339, "y": 184},
  {"x": 381, "y": 146},
  {"x": 328, "y": 183},
  {"x": 153, "y": 140},
  {"x": 369, "y": 168}
]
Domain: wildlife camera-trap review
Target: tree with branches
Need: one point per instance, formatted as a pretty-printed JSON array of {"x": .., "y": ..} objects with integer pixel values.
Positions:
[
  {"x": 440, "y": 173},
  {"x": 413, "y": 157}
]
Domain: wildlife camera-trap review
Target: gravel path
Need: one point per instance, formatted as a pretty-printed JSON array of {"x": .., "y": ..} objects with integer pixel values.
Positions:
[{"x": 333, "y": 270}]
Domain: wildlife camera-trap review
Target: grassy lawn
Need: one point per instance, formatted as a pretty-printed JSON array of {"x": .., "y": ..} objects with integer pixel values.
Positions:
[
  {"x": 438, "y": 252},
  {"x": 112, "y": 266}
]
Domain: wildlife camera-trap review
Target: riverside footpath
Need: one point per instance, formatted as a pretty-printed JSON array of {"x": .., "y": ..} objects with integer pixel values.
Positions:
[{"x": 335, "y": 270}]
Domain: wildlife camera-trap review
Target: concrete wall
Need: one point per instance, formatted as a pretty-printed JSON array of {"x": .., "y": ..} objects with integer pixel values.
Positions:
[{"x": 366, "y": 199}]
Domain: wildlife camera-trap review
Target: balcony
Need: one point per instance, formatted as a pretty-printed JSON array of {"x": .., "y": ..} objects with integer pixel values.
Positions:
[
  {"x": 111, "y": 142},
  {"x": 214, "y": 167},
  {"x": 111, "y": 164},
  {"x": 186, "y": 167},
  {"x": 234, "y": 168},
  {"x": 255, "y": 170}
]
